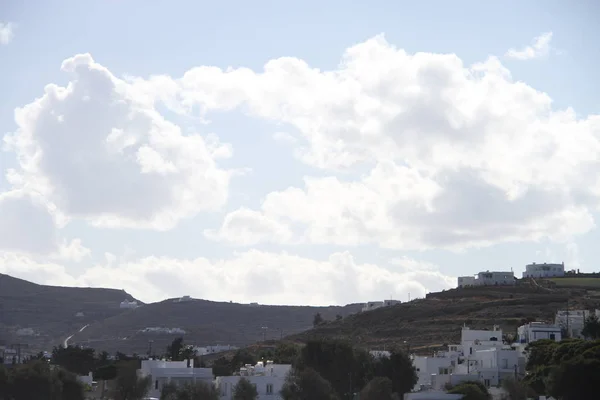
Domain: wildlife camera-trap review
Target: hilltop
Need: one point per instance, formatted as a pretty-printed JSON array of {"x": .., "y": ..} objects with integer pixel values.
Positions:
[
  {"x": 49, "y": 313},
  {"x": 204, "y": 322},
  {"x": 425, "y": 324}
]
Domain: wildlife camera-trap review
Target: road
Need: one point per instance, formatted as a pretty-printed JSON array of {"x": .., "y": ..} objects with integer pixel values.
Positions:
[{"x": 66, "y": 342}]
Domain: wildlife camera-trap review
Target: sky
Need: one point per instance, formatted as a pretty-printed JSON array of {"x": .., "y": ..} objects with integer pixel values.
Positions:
[{"x": 296, "y": 152}]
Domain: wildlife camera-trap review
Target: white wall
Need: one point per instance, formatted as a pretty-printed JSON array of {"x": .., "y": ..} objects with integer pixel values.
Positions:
[
  {"x": 533, "y": 331},
  {"x": 544, "y": 270}
]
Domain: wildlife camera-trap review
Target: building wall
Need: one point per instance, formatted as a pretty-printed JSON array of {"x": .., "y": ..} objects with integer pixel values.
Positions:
[
  {"x": 544, "y": 270},
  {"x": 531, "y": 332},
  {"x": 488, "y": 278}
]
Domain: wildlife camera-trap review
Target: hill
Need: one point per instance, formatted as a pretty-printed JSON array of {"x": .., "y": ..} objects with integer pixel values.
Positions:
[
  {"x": 204, "y": 322},
  {"x": 425, "y": 324},
  {"x": 43, "y": 316}
]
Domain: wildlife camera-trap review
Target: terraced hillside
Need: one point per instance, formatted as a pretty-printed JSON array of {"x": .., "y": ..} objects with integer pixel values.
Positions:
[
  {"x": 205, "y": 323},
  {"x": 425, "y": 324}
]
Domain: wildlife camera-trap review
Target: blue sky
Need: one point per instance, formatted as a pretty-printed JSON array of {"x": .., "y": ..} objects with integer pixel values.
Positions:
[{"x": 373, "y": 245}]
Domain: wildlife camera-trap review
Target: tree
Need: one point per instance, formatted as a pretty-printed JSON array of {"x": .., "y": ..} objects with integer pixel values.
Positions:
[
  {"x": 174, "y": 350},
  {"x": 241, "y": 358},
  {"x": 244, "y": 390},
  {"x": 335, "y": 361},
  {"x": 286, "y": 353},
  {"x": 517, "y": 390},
  {"x": 574, "y": 379},
  {"x": 471, "y": 391},
  {"x": 398, "y": 367},
  {"x": 591, "y": 327},
  {"x": 37, "y": 381},
  {"x": 307, "y": 384},
  {"x": 74, "y": 359},
  {"x": 128, "y": 386},
  {"x": 192, "y": 391},
  {"x": 378, "y": 388},
  {"x": 317, "y": 320},
  {"x": 168, "y": 391}
]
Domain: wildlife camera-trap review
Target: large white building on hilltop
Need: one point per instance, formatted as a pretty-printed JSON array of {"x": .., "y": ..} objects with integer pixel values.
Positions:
[
  {"x": 373, "y": 305},
  {"x": 544, "y": 270},
  {"x": 487, "y": 278}
]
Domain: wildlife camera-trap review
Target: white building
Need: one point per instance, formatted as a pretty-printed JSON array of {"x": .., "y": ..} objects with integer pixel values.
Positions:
[
  {"x": 219, "y": 348},
  {"x": 480, "y": 356},
  {"x": 373, "y": 305},
  {"x": 487, "y": 278},
  {"x": 544, "y": 270},
  {"x": 573, "y": 320},
  {"x": 533, "y": 331},
  {"x": 128, "y": 304},
  {"x": 268, "y": 380},
  {"x": 178, "y": 372}
]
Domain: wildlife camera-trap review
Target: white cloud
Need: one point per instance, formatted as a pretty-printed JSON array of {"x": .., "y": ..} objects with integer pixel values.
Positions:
[
  {"x": 247, "y": 227},
  {"x": 6, "y": 32},
  {"x": 460, "y": 155},
  {"x": 540, "y": 47},
  {"x": 97, "y": 149},
  {"x": 268, "y": 278},
  {"x": 26, "y": 224}
]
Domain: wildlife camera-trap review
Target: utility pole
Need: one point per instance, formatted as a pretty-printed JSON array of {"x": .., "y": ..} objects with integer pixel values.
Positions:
[
  {"x": 19, "y": 346},
  {"x": 264, "y": 329},
  {"x": 568, "y": 334}
]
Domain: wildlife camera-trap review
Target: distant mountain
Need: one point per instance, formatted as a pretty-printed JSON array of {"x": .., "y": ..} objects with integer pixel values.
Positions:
[
  {"x": 204, "y": 322},
  {"x": 53, "y": 313},
  {"x": 43, "y": 316}
]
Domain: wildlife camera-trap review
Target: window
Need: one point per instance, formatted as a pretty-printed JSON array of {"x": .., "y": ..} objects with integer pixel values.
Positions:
[
  {"x": 156, "y": 384},
  {"x": 486, "y": 382},
  {"x": 552, "y": 336},
  {"x": 269, "y": 388}
]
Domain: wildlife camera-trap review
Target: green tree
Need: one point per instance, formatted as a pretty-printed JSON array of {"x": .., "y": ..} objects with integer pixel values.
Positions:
[
  {"x": 591, "y": 327},
  {"x": 379, "y": 388},
  {"x": 174, "y": 350},
  {"x": 244, "y": 390},
  {"x": 517, "y": 390},
  {"x": 193, "y": 391},
  {"x": 241, "y": 358},
  {"x": 317, "y": 320},
  {"x": 335, "y": 361},
  {"x": 286, "y": 353},
  {"x": 398, "y": 367},
  {"x": 471, "y": 391},
  {"x": 222, "y": 367},
  {"x": 540, "y": 353},
  {"x": 75, "y": 359},
  {"x": 575, "y": 379},
  {"x": 128, "y": 386},
  {"x": 37, "y": 381},
  {"x": 307, "y": 384}
]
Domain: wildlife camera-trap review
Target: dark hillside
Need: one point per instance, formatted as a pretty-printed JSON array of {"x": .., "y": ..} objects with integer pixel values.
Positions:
[
  {"x": 205, "y": 323},
  {"x": 437, "y": 320},
  {"x": 50, "y": 311}
]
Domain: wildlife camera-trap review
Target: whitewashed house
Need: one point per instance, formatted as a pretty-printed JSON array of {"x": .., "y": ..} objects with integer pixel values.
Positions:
[
  {"x": 268, "y": 380},
  {"x": 373, "y": 305},
  {"x": 573, "y": 320},
  {"x": 218, "y": 348},
  {"x": 533, "y": 331},
  {"x": 481, "y": 356},
  {"x": 487, "y": 278},
  {"x": 178, "y": 372},
  {"x": 126, "y": 304},
  {"x": 544, "y": 270}
]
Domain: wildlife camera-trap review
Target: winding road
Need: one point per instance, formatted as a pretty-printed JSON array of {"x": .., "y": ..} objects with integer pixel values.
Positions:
[{"x": 66, "y": 342}]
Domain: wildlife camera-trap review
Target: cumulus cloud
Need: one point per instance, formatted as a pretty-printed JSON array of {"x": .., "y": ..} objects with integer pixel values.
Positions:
[
  {"x": 6, "y": 32},
  {"x": 459, "y": 155},
  {"x": 268, "y": 278},
  {"x": 540, "y": 47},
  {"x": 98, "y": 150}
]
